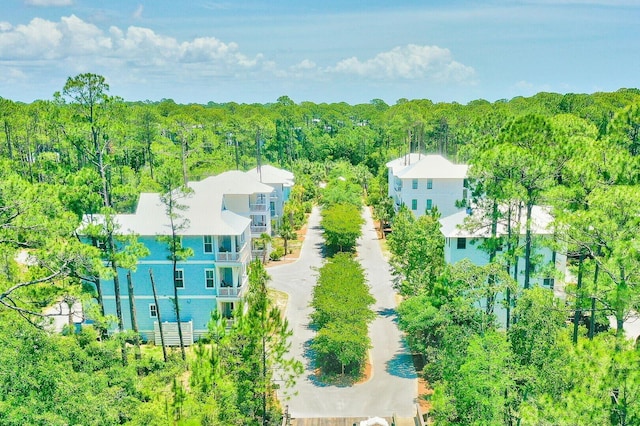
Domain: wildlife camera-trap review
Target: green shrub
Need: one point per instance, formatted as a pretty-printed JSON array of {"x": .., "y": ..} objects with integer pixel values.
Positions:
[{"x": 277, "y": 253}]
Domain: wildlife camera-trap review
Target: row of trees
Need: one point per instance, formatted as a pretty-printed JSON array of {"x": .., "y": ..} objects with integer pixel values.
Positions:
[
  {"x": 341, "y": 316},
  {"x": 86, "y": 138},
  {"x": 341, "y": 298}
]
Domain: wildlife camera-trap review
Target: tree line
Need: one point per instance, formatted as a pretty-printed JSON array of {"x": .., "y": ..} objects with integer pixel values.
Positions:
[{"x": 341, "y": 299}]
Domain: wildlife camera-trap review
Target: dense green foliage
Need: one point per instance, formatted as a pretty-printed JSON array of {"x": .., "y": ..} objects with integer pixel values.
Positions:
[
  {"x": 537, "y": 371},
  {"x": 342, "y": 226},
  {"x": 76, "y": 379},
  {"x": 234, "y": 371},
  {"x": 341, "y": 303},
  {"x": 417, "y": 251},
  {"x": 86, "y": 151}
]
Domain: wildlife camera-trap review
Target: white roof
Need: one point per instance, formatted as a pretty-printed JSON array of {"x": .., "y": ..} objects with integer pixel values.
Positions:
[
  {"x": 403, "y": 162},
  {"x": 271, "y": 174},
  {"x": 433, "y": 166},
  {"x": 232, "y": 182},
  {"x": 477, "y": 225},
  {"x": 203, "y": 210}
]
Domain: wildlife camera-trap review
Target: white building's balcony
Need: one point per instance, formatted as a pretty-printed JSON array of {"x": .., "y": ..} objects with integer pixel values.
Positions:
[
  {"x": 258, "y": 229},
  {"x": 259, "y": 207},
  {"x": 257, "y": 253}
]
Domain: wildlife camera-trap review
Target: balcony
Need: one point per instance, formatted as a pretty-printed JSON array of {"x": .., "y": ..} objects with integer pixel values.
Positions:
[
  {"x": 258, "y": 229},
  {"x": 239, "y": 256},
  {"x": 259, "y": 207},
  {"x": 234, "y": 291},
  {"x": 229, "y": 291},
  {"x": 257, "y": 254}
]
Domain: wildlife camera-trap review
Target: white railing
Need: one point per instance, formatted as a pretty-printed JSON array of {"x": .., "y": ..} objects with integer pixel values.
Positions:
[
  {"x": 258, "y": 229},
  {"x": 258, "y": 207},
  {"x": 228, "y": 256},
  {"x": 234, "y": 291},
  {"x": 229, "y": 291}
]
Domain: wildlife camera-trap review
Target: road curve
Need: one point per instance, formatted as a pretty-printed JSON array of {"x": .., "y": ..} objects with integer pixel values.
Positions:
[{"x": 393, "y": 386}]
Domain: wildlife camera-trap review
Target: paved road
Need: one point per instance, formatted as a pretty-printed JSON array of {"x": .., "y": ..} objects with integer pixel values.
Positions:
[{"x": 393, "y": 387}]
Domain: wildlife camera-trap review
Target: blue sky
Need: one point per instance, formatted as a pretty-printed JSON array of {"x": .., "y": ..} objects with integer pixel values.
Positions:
[{"x": 320, "y": 51}]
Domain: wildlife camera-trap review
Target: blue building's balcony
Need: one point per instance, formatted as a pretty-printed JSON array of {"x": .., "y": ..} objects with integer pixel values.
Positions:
[
  {"x": 234, "y": 291},
  {"x": 234, "y": 257}
]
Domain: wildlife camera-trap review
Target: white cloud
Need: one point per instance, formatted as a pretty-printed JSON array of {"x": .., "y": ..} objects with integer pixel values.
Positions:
[
  {"x": 12, "y": 75},
  {"x": 410, "y": 62},
  {"x": 49, "y": 2},
  {"x": 137, "y": 14},
  {"x": 305, "y": 65},
  {"x": 84, "y": 44}
]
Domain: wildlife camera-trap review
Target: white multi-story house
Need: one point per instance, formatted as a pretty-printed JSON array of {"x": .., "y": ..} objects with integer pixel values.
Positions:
[
  {"x": 422, "y": 182},
  {"x": 281, "y": 181},
  {"x": 465, "y": 231}
]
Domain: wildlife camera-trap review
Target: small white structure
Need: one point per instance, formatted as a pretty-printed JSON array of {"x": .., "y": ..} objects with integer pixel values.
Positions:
[
  {"x": 374, "y": 421},
  {"x": 422, "y": 182}
]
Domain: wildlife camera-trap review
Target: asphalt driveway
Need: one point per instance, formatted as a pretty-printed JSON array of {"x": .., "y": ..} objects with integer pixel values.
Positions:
[{"x": 393, "y": 386}]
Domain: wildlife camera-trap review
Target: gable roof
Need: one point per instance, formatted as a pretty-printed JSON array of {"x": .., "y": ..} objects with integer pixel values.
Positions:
[
  {"x": 477, "y": 225},
  {"x": 271, "y": 174},
  {"x": 433, "y": 166},
  {"x": 232, "y": 182}
]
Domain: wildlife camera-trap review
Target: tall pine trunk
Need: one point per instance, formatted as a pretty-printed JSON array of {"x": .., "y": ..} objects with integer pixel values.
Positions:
[
  {"x": 158, "y": 316},
  {"x": 132, "y": 311},
  {"x": 527, "y": 248}
]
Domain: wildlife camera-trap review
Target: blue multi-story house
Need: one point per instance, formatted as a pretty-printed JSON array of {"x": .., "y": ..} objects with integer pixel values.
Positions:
[{"x": 220, "y": 217}]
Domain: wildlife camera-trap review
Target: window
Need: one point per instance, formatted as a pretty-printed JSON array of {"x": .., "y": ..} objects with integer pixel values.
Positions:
[
  {"x": 209, "y": 278},
  {"x": 414, "y": 184},
  {"x": 208, "y": 243},
  {"x": 429, "y": 204},
  {"x": 548, "y": 282},
  {"x": 99, "y": 244},
  {"x": 414, "y": 204},
  {"x": 462, "y": 243},
  {"x": 179, "y": 278},
  {"x": 153, "y": 311},
  {"x": 429, "y": 183}
]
